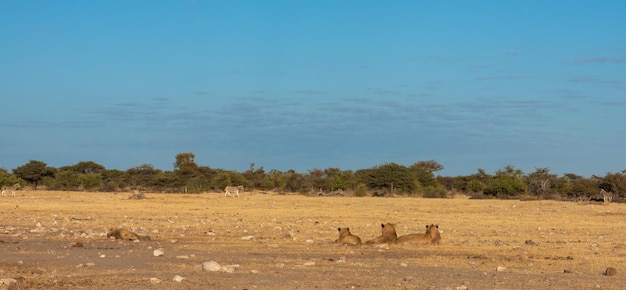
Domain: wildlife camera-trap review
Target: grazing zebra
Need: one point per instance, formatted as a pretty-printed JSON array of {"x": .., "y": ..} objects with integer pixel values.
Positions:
[
  {"x": 606, "y": 196},
  {"x": 230, "y": 190},
  {"x": 13, "y": 188}
]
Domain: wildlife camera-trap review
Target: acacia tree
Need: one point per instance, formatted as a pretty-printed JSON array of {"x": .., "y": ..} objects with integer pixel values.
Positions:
[
  {"x": 389, "y": 176},
  {"x": 85, "y": 167},
  {"x": 113, "y": 180},
  {"x": 507, "y": 183},
  {"x": 614, "y": 182},
  {"x": 141, "y": 176},
  {"x": 576, "y": 186},
  {"x": 318, "y": 180},
  {"x": 8, "y": 179},
  {"x": 185, "y": 161},
  {"x": 33, "y": 172},
  {"x": 84, "y": 175},
  {"x": 341, "y": 179},
  {"x": 541, "y": 182},
  {"x": 424, "y": 172},
  {"x": 276, "y": 179}
]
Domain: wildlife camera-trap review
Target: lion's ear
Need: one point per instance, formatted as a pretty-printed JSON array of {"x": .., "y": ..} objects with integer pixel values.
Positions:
[
  {"x": 339, "y": 229},
  {"x": 382, "y": 225},
  {"x": 426, "y": 226},
  {"x": 347, "y": 228}
]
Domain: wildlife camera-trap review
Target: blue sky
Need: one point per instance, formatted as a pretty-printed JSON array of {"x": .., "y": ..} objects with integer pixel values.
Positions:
[{"x": 315, "y": 84}]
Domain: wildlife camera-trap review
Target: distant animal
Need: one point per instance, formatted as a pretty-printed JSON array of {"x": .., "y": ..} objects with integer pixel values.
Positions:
[
  {"x": 136, "y": 194},
  {"x": 347, "y": 238},
  {"x": 122, "y": 234},
  {"x": 432, "y": 236},
  {"x": 233, "y": 190},
  {"x": 607, "y": 196},
  {"x": 12, "y": 188},
  {"x": 388, "y": 235}
]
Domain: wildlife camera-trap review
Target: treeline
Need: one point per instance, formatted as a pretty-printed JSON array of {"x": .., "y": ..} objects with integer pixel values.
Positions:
[{"x": 419, "y": 179}]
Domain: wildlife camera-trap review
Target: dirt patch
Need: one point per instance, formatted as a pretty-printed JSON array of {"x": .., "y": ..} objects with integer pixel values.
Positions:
[{"x": 270, "y": 241}]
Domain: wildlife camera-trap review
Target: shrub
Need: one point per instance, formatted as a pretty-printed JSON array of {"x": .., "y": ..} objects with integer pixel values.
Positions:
[{"x": 361, "y": 190}]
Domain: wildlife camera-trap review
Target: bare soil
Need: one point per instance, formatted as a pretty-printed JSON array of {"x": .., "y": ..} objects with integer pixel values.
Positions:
[{"x": 287, "y": 242}]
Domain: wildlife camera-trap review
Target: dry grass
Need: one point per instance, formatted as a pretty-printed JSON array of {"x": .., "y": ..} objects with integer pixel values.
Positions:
[{"x": 542, "y": 244}]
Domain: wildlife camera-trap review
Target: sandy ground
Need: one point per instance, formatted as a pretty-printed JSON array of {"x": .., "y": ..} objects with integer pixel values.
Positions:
[{"x": 270, "y": 241}]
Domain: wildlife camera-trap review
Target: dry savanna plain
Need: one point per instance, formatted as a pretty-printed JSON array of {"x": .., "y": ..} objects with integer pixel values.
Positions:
[{"x": 58, "y": 240}]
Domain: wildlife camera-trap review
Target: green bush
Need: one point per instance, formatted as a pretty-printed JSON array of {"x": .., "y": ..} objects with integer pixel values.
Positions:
[
  {"x": 505, "y": 186},
  {"x": 435, "y": 192},
  {"x": 361, "y": 190}
]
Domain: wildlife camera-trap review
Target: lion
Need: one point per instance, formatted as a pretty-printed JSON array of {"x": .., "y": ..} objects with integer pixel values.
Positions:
[
  {"x": 347, "y": 238},
  {"x": 122, "y": 234},
  {"x": 388, "y": 235},
  {"x": 432, "y": 236}
]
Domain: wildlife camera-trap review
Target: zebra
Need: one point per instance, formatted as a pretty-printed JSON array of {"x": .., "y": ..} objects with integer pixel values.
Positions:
[
  {"x": 13, "y": 188},
  {"x": 229, "y": 190},
  {"x": 607, "y": 196}
]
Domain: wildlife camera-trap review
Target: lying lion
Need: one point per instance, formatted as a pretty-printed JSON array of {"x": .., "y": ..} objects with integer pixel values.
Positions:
[
  {"x": 347, "y": 238},
  {"x": 122, "y": 234},
  {"x": 432, "y": 236},
  {"x": 388, "y": 235}
]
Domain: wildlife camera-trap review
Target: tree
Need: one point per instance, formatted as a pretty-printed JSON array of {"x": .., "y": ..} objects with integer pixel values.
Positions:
[
  {"x": 276, "y": 179},
  {"x": 482, "y": 176},
  {"x": 85, "y": 167},
  {"x": 222, "y": 179},
  {"x": 64, "y": 180},
  {"x": 389, "y": 176},
  {"x": 141, "y": 176},
  {"x": 33, "y": 172},
  {"x": 8, "y": 179},
  {"x": 113, "y": 180},
  {"x": 295, "y": 182},
  {"x": 430, "y": 165},
  {"x": 424, "y": 171},
  {"x": 507, "y": 183},
  {"x": 185, "y": 161},
  {"x": 318, "y": 180},
  {"x": 576, "y": 186},
  {"x": 541, "y": 182},
  {"x": 84, "y": 175},
  {"x": 254, "y": 177},
  {"x": 614, "y": 182}
]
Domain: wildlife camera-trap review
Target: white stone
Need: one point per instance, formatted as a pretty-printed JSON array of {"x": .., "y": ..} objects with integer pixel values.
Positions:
[
  {"x": 9, "y": 282},
  {"x": 154, "y": 280},
  {"x": 158, "y": 253},
  {"x": 211, "y": 266},
  {"x": 247, "y": 238},
  {"x": 230, "y": 268},
  {"x": 178, "y": 278}
]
